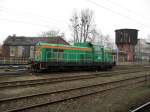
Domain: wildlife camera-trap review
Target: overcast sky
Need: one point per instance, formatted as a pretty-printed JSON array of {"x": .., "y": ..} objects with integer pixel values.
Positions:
[{"x": 31, "y": 17}]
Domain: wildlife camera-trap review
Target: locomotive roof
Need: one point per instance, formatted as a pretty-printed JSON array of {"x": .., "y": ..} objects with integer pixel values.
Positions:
[{"x": 72, "y": 46}]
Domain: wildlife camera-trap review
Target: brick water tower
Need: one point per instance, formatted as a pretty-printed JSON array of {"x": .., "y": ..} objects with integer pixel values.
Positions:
[{"x": 126, "y": 39}]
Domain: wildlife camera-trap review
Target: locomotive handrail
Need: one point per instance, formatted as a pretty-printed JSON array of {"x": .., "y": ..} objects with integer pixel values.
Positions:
[{"x": 67, "y": 54}]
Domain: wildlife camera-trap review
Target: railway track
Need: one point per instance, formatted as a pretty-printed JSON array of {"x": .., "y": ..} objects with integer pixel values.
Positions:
[
  {"x": 25, "y": 73},
  {"x": 26, "y": 83},
  {"x": 30, "y": 102},
  {"x": 143, "y": 108}
]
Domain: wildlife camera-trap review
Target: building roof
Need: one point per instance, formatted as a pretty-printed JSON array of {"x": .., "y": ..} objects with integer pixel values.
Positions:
[
  {"x": 29, "y": 41},
  {"x": 123, "y": 29}
]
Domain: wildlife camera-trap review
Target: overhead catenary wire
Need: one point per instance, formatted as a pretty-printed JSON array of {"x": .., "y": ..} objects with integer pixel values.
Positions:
[
  {"x": 41, "y": 19},
  {"x": 129, "y": 10},
  {"x": 118, "y": 13},
  {"x": 24, "y": 22},
  {"x": 6, "y": 10}
]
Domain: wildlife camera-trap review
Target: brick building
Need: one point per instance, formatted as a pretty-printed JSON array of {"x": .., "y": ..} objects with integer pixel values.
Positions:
[
  {"x": 0, "y": 50},
  {"x": 20, "y": 46},
  {"x": 126, "y": 39}
]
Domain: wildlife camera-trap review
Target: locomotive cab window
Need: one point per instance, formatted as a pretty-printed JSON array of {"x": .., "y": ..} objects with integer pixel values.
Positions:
[
  {"x": 55, "y": 54},
  {"x": 58, "y": 54}
]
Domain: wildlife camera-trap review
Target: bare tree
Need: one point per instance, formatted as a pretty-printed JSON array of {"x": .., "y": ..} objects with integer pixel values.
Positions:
[
  {"x": 84, "y": 29},
  {"x": 108, "y": 42},
  {"x": 82, "y": 25},
  {"x": 98, "y": 38},
  {"x": 75, "y": 26},
  {"x": 51, "y": 33}
]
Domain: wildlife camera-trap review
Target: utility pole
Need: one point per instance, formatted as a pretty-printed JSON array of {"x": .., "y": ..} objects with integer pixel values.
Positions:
[{"x": 117, "y": 56}]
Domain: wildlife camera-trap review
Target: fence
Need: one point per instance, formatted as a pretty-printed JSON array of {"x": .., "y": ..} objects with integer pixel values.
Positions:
[{"x": 13, "y": 61}]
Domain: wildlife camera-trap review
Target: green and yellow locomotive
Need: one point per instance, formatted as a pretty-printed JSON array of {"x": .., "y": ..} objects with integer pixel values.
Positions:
[{"x": 80, "y": 56}]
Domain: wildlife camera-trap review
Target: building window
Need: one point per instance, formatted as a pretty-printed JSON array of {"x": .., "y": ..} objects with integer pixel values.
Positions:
[
  {"x": 12, "y": 50},
  {"x": 129, "y": 39}
]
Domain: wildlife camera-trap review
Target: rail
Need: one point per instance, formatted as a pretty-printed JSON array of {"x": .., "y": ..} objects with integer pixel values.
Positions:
[
  {"x": 34, "y": 82},
  {"x": 65, "y": 94},
  {"x": 141, "y": 107}
]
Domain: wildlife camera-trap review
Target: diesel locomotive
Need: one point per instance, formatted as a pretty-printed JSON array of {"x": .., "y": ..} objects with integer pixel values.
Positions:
[{"x": 77, "y": 56}]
